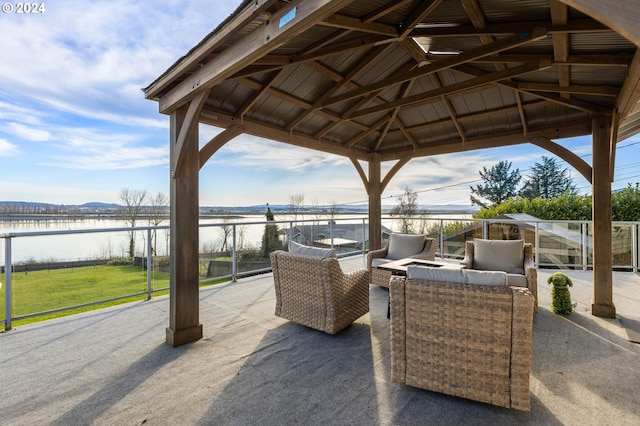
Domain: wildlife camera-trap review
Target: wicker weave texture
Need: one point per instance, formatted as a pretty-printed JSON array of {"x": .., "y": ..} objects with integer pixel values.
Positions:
[
  {"x": 315, "y": 292},
  {"x": 381, "y": 277},
  {"x": 469, "y": 341}
]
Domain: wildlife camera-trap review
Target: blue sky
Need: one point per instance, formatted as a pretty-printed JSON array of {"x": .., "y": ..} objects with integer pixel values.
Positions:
[{"x": 75, "y": 126}]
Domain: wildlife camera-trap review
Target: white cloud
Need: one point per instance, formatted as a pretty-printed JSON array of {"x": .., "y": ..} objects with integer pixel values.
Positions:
[
  {"x": 28, "y": 133},
  {"x": 7, "y": 149}
]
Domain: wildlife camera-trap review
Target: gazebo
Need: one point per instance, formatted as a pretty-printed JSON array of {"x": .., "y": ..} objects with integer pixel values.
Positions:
[{"x": 390, "y": 80}]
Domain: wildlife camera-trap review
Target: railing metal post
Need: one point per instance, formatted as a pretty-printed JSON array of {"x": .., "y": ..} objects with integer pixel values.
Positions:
[
  {"x": 536, "y": 252},
  {"x": 442, "y": 238},
  {"x": 8, "y": 314},
  {"x": 331, "y": 231},
  {"x": 364, "y": 235},
  {"x": 149, "y": 264},
  {"x": 485, "y": 229},
  {"x": 234, "y": 256},
  {"x": 634, "y": 247},
  {"x": 584, "y": 228}
]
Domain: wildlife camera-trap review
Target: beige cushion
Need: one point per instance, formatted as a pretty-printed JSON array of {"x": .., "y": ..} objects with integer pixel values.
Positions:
[
  {"x": 297, "y": 248},
  {"x": 377, "y": 261},
  {"x": 499, "y": 255},
  {"x": 517, "y": 280},
  {"x": 405, "y": 245},
  {"x": 460, "y": 276}
]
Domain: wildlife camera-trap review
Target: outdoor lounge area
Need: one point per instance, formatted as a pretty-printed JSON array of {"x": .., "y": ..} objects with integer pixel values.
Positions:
[{"x": 113, "y": 366}]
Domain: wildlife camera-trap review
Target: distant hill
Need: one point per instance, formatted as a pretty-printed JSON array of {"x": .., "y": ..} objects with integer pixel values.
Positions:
[{"x": 27, "y": 207}]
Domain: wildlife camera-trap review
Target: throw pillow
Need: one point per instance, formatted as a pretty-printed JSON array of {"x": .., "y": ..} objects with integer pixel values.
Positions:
[{"x": 499, "y": 255}]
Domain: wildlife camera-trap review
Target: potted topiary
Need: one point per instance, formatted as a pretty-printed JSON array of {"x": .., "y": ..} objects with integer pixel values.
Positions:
[{"x": 560, "y": 296}]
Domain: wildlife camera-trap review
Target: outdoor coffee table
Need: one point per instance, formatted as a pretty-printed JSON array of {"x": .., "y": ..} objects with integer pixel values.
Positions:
[{"x": 399, "y": 268}]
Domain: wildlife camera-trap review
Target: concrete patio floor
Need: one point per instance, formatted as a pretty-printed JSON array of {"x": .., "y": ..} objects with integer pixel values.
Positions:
[{"x": 112, "y": 367}]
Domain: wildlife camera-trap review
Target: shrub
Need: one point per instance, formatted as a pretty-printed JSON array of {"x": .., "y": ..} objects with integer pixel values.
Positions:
[{"x": 560, "y": 295}]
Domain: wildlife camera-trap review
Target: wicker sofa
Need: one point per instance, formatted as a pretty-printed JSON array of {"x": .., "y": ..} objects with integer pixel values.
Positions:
[
  {"x": 399, "y": 246},
  {"x": 313, "y": 291},
  {"x": 453, "y": 336},
  {"x": 515, "y": 257}
]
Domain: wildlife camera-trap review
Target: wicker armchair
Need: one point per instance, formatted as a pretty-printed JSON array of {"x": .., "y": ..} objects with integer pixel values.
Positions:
[
  {"x": 315, "y": 292},
  {"x": 515, "y": 257},
  {"x": 399, "y": 246},
  {"x": 466, "y": 340}
]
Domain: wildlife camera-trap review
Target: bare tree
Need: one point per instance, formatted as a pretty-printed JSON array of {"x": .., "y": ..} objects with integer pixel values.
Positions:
[
  {"x": 157, "y": 213},
  {"x": 225, "y": 232},
  {"x": 406, "y": 208},
  {"x": 132, "y": 200},
  {"x": 296, "y": 203}
]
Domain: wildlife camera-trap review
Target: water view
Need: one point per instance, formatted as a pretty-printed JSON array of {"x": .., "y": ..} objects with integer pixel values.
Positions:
[{"x": 215, "y": 235}]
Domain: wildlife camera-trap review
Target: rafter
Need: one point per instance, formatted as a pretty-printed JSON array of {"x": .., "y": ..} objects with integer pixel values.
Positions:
[
  {"x": 423, "y": 10},
  {"x": 569, "y": 103},
  {"x": 560, "y": 16},
  {"x": 453, "y": 61},
  {"x": 354, "y": 24},
  {"x": 577, "y": 26},
  {"x": 449, "y": 106},
  {"x": 431, "y": 96},
  {"x": 253, "y": 99},
  {"x": 495, "y": 140}
]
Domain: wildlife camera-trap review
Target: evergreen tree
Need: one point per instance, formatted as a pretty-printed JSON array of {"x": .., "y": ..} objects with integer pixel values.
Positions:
[
  {"x": 500, "y": 184},
  {"x": 548, "y": 180},
  {"x": 271, "y": 237}
]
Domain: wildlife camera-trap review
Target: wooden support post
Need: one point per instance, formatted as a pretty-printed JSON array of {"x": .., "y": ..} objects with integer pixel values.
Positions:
[
  {"x": 375, "y": 203},
  {"x": 602, "y": 302},
  {"x": 184, "y": 309}
]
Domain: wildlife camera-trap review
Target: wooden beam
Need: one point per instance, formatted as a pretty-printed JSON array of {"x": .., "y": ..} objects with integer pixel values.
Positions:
[
  {"x": 393, "y": 171},
  {"x": 187, "y": 128},
  {"x": 200, "y": 52},
  {"x": 423, "y": 9},
  {"x": 374, "y": 191},
  {"x": 621, "y": 60},
  {"x": 569, "y": 103},
  {"x": 570, "y": 89},
  {"x": 495, "y": 140},
  {"x": 576, "y": 26},
  {"x": 224, "y": 120},
  {"x": 282, "y": 27},
  {"x": 602, "y": 301},
  {"x": 355, "y": 24},
  {"x": 266, "y": 85},
  {"x": 576, "y": 162},
  {"x": 630, "y": 92},
  {"x": 621, "y": 16},
  {"x": 184, "y": 295},
  {"x": 489, "y": 49},
  {"x": 560, "y": 16},
  {"x": 431, "y": 96},
  {"x": 218, "y": 142}
]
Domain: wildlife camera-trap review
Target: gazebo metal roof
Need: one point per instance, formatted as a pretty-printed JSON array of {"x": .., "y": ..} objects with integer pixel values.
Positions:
[
  {"x": 391, "y": 80},
  {"x": 409, "y": 77}
]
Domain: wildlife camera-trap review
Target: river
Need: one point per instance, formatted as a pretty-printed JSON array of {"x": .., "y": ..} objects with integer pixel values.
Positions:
[{"x": 113, "y": 244}]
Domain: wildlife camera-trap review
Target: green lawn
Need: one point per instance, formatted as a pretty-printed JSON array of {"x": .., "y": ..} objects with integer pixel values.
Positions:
[{"x": 39, "y": 291}]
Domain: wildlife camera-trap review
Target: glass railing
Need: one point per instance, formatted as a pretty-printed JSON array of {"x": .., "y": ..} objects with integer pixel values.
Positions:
[{"x": 55, "y": 271}]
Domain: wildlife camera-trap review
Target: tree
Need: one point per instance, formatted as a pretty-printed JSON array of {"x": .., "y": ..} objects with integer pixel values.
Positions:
[
  {"x": 132, "y": 200},
  {"x": 500, "y": 183},
  {"x": 548, "y": 180},
  {"x": 296, "y": 202},
  {"x": 406, "y": 208},
  {"x": 157, "y": 213},
  {"x": 625, "y": 204},
  {"x": 271, "y": 237}
]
